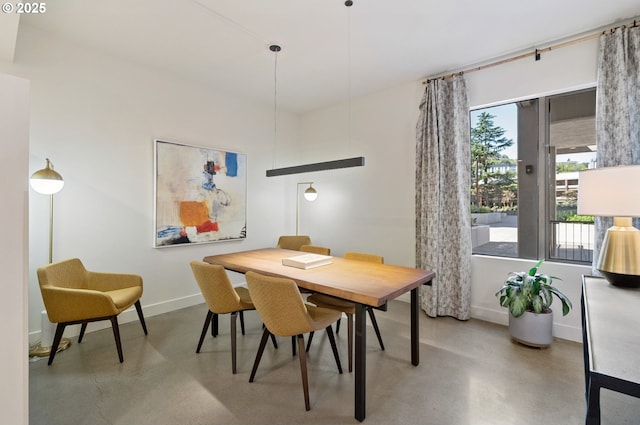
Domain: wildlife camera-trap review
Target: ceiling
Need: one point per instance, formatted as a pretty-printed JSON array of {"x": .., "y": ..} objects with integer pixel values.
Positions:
[{"x": 329, "y": 52}]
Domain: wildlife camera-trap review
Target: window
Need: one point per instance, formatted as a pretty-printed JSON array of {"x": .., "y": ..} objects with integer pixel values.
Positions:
[{"x": 525, "y": 163}]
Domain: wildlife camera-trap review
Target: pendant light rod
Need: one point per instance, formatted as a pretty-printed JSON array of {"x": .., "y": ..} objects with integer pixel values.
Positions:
[
  {"x": 348, "y": 3},
  {"x": 275, "y": 49}
]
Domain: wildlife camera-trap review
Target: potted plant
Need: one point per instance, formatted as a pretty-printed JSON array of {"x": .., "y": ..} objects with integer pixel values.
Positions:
[{"x": 529, "y": 296}]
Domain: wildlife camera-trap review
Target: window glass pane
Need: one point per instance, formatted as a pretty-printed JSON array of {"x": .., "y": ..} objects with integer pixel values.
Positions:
[
  {"x": 572, "y": 140},
  {"x": 494, "y": 180}
]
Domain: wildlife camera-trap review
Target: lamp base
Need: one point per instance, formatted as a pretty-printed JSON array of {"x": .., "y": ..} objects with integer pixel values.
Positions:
[
  {"x": 619, "y": 259},
  {"x": 623, "y": 280},
  {"x": 37, "y": 350}
]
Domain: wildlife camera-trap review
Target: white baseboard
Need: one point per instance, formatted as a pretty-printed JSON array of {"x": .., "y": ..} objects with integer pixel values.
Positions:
[
  {"x": 570, "y": 333},
  {"x": 490, "y": 315}
]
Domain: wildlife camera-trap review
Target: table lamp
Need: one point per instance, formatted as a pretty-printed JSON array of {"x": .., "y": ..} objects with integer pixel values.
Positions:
[{"x": 614, "y": 192}]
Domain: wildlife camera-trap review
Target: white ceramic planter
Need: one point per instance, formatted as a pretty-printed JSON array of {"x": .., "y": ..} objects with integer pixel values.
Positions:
[{"x": 532, "y": 329}]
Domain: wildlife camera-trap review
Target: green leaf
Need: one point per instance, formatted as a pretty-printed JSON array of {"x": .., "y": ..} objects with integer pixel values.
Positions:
[
  {"x": 566, "y": 303},
  {"x": 546, "y": 293},
  {"x": 537, "y": 304},
  {"x": 534, "y": 269},
  {"x": 517, "y": 307}
]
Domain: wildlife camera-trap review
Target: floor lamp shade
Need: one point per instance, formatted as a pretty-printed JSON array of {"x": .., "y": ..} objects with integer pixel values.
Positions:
[
  {"x": 47, "y": 181},
  {"x": 615, "y": 192}
]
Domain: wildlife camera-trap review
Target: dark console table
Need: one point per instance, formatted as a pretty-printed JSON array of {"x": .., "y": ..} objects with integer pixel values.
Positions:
[{"x": 611, "y": 341}]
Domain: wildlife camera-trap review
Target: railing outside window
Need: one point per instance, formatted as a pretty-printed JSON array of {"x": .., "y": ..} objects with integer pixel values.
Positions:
[{"x": 571, "y": 241}]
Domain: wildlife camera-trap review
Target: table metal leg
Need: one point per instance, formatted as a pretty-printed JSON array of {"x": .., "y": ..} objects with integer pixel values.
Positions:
[
  {"x": 593, "y": 404},
  {"x": 415, "y": 334},
  {"x": 360, "y": 360}
]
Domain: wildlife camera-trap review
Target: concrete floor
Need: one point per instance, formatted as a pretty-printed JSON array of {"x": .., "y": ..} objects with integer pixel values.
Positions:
[{"x": 470, "y": 373}]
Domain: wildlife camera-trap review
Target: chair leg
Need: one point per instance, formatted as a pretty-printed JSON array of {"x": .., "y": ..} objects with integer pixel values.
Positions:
[
  {"x": 303, "y": 371},
  {"x": 214, "y": 325},
  {"x": 116, "y": 336},
  {"x": 309, "y": 340},
  {"x": 83, "y": 328},
  {"x": 293, "y": 346},
  {"x": 205, "y": 327},
  {"x": 334, "y": 347},
  {"x": 273, "y": 338},
  {"x": 242, "y": 321},
  {"x": 263, "y": 343},
  {"x": 56, "y": 341},
  {"x": 375, "y": 327},
  {"x": 350, "y": 337},
  {"x": 233, "y": 320},
  {"x": 337, "y": 326},
  {"x": 141, "y": 317}
]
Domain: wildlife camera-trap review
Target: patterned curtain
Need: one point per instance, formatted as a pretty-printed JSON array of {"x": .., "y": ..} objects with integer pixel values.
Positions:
[
  {"x": 617, "y": 109},
  {"x": 443, "y": 213}
]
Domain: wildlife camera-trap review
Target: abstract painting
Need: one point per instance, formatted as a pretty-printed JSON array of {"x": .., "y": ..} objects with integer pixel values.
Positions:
[{"x": 200, "y": 195}]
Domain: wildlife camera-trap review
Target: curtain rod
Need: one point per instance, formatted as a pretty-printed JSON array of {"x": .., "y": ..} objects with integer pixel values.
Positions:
[{"x": 536, "y": 53}]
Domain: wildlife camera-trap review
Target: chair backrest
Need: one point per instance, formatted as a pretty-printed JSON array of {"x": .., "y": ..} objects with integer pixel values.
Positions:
[
  {"x": 279, "y": 304},
  {"x": 216, "y": 287},
  {"x": 64, "y": 274},
  {"x": 293, "y": 242},
  {"x": 360, "y": 256},
  {"x": 316, "y": 249}
]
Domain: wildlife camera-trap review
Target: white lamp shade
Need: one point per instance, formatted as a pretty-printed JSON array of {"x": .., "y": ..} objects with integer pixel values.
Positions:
[
  {"x": 310, "y": 194},
  {"x": 46, "y": 187},
  {"x": 610, "y": 191},
  {"x": 47, "y": 181}
]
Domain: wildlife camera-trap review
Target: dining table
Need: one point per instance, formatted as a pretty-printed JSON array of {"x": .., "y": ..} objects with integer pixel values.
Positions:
[{"x": 363, "y": 283}]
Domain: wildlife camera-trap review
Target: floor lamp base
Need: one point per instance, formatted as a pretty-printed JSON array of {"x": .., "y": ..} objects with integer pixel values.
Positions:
[{"x": 37, "y": 350}]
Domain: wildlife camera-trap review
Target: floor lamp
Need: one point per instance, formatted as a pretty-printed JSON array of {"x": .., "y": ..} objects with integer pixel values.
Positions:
[
  {"x": 310, "y": 194},
  {"x": 47, "y": 182},
  {"x": 614, "y": 192}
]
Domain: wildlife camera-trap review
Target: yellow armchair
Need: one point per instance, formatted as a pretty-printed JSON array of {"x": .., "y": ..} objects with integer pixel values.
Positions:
[{"x": 74, "y": 295}]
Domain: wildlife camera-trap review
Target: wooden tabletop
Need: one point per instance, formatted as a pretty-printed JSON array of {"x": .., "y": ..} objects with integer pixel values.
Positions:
[{"x": 358, "y": 281}]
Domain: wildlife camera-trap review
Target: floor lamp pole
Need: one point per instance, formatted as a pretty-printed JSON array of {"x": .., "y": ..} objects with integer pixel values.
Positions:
[
  {"x": 51, "y": 228},
  {"x": 297, "y": 206},
  {"x": 47, "y": 182}
]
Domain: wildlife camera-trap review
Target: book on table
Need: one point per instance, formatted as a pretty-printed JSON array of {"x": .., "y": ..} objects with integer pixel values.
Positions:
[{"x": 307, "y": 261}]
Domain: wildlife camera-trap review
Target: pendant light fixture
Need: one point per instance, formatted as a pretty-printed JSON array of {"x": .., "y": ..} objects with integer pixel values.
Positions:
[
  {"x": 275, "y": 49},
  {"x": 326, "y": 165}
]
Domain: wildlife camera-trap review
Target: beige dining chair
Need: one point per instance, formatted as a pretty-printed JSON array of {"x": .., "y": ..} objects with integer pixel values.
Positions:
[
  {"x": 221, "y": 298},
  {"x": 284, "y": 313},
  {"x": 75, "y": 295},
  {"x": 293, "y": 242},
  {"x": 347, "y": 307},
  {"x": 314, "y": 249}
]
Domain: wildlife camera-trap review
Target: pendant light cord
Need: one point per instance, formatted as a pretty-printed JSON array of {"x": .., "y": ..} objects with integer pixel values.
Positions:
[
  {"x": 349, "y": 3},
  {"x": 275, "y": 49}
]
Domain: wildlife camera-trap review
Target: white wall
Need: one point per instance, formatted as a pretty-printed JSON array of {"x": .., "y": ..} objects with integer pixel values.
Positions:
[
  {"x": 96, "y": 118},
  {"x": 14, "y": 144}
]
